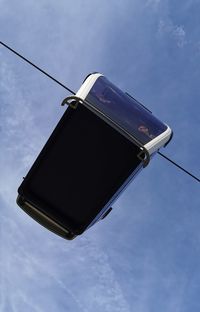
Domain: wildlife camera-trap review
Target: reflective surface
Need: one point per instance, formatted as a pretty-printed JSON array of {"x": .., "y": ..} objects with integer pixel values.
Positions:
[{"x": 125, "y": 111}]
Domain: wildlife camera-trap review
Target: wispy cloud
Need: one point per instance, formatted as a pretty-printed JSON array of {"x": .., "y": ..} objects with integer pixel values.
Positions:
[
  {"x": 153, "y": 3},
  {"x": 175, "y": 32},
  {"x": 144, "y": 258},
  {"x": 19, "y": 135},
  {"x": 87, "y": 283},
  {"x": 59, "y": 274}
]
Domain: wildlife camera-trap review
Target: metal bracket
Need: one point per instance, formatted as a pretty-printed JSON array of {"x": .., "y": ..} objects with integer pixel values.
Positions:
[
  {"x": 72, "y": 101},
  {"x": 144, "y": 156}
]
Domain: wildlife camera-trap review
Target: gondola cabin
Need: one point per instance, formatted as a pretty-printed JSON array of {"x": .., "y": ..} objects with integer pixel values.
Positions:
[{"x": 103, "y": 140}]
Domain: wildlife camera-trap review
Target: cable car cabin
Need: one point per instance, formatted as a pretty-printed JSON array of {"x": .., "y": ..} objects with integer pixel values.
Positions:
[{"x": 103, "y": 139}]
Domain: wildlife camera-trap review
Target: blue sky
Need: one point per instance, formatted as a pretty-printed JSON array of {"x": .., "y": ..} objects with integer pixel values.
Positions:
[{"x": 145, "y": 256}]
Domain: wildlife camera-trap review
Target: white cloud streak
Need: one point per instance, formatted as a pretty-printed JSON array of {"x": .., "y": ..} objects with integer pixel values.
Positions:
[
  {"x": 153, "y": 3},
  {"x": 39, "y": 271},
  {"x": 176, "y": 32},
  {"x": 79, "y": 272},
  {"x": 19, "y": 136},
  {"x": 82, "y": 277}
]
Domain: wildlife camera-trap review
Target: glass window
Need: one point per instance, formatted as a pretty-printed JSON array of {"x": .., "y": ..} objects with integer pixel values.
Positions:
[{"x": 125, "y": 111}]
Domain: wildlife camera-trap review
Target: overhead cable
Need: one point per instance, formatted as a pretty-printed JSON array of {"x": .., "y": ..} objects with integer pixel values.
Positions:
[
  {"x": 38, "y": 68},
  {"x": 72, "y": 92},
  {"x": 178, "y": 166}
]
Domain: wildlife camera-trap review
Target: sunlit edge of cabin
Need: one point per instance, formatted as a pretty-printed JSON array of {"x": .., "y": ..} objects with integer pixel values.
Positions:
[{"x": 152, "y": 146}]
